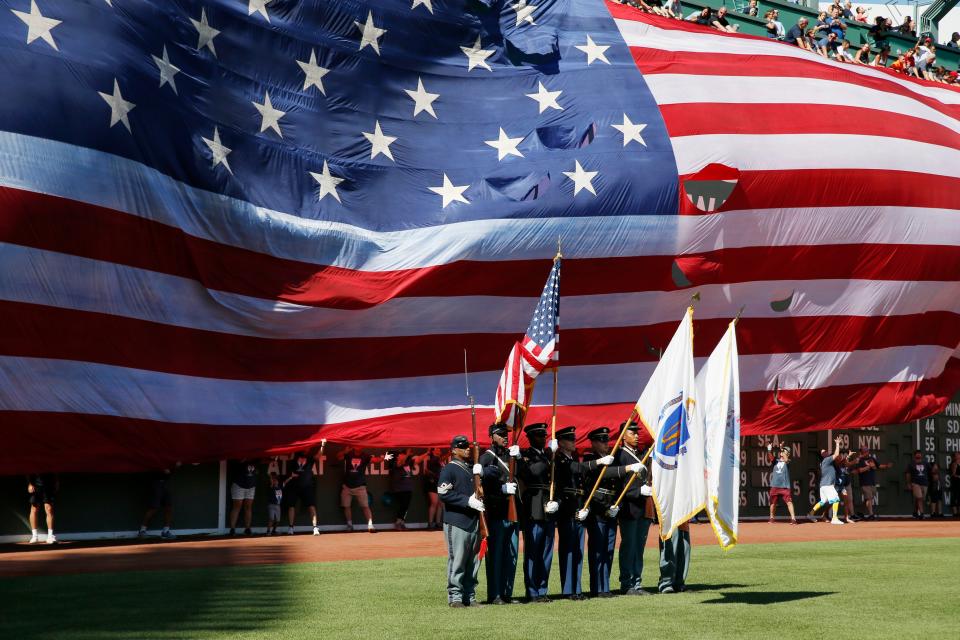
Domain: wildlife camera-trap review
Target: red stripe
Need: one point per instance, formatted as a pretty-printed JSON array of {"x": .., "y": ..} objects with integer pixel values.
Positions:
[
  {"x": 66, "y": 226},
  {"x": 37, "y": 331},
  {"x": 693, "y": 119},
  {"x": 36, "y": 442},
  {"x": 854, "y": 188}
]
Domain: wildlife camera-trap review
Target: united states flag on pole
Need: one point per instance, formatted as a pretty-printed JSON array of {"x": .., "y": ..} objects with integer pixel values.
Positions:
[
  {"x": 530, "y": 356},
  {"x": 232, "y": 227}
]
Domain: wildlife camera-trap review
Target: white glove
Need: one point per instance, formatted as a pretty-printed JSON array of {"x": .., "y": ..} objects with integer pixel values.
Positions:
[
  {"x": 552, "y": 445},
  {"x": 515, "y": 451},
  {"x": 323, "y": 441},
  {"x": 769, "y": 447},
  {"x": 645, "y": 490},
  {"x": 582, "y": 514},
  {"x": 388, "y": 457},
  {"x": 477, "y": 470},
  {"x": 634, "y": 468},
  {"x": 612, "y": 512},
  {"x": 552, "y": 507},
  {"x": 509, "y": 488},
  {"x": 605, "y": 461},
  {"x": 476, "y": 503}
]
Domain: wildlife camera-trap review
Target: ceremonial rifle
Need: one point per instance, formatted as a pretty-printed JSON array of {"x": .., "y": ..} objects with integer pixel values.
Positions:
[
  {"x": 603, "y": 470},
  {"x": 477, "y": 484}
]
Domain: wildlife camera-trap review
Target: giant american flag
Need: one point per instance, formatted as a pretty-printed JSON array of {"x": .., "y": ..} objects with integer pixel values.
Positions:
[{"x": 234, "y": 227}]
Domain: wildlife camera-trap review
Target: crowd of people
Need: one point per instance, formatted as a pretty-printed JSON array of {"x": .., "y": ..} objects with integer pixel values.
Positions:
[
  {"x": 828, "y": 36},
  {"x": 922, "y": 479}
]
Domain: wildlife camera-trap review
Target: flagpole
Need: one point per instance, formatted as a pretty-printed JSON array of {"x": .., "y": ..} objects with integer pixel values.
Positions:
[
  {"x": 553, "y": 420},
  {"x": 616, "y": 445}
]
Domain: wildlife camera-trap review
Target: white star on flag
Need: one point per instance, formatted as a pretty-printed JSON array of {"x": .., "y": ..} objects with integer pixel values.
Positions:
[
  {"x": 207, "y": 33},
  {"x": 167, "y": 70},
  {"x": 524, "y": 12},
  {"x": 594, "y": 51},
  {"x": 546, "y": 99},
  {"x": 328, "y": 183},
  {"x": 371, "y": 33},
  {"x": 422, "y": 100},
  {"x": 270, "y": 117},
  {"x": 450, "y": 193},
  {"x": 258, "y": 6},
  {"x": 119, "y": 108},
  {"x": 505, "y": 145},
  {"x": 379, "y": 143},
  {"x": 630, "y": 131},
  {"x": 218, "y": 152},
  {"x": 581, "y": 179},
  {"x": 38, "y": 26},
  {"x": 477, "y": 56},
  {"x": 313, "y": 73},
  {"x": 427, "y": 3}
]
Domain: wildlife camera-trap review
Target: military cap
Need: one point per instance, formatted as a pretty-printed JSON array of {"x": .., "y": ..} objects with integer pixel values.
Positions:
[
  {"x": 567, "y": 433},
  {"x": 600, "y": 433},
  {"x": 498, "y": 428},
  {"x": 633, "y": 426},
  {"x": 460, "y": 442},
  {"x": 536, "y": 429}
]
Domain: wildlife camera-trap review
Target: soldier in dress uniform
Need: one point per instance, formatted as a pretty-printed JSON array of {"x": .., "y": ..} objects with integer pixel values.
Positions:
[
  {"x": 569, "y": 489},
  {"x": 538, "y": 514},
  {"x": 601, "y": 528},
  {"x": 675, "y": 560},
  {"x": 634, "y": 525},
  {"x": 461, "y": 524},
  {"x": 503, "y": 535}
]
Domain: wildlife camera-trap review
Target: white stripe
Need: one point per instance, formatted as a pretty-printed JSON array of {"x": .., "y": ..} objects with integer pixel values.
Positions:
[
  {"x": 59, "y": 280},
  {"x": 680, "y": 88},
  {"x": 638, "y": 34},
  {"x": 813, "y": 151},
  {"x": 34, "y": 384}
]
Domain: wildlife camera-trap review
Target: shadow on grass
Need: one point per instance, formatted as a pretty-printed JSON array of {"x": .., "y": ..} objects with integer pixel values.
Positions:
[
  {"x": 766, "y": 597},
  {"x": 146, "y": 604},
  {"x": 712, "y": 587}
]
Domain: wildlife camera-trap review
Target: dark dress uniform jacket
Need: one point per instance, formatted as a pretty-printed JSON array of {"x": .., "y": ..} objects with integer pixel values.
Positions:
[
  {"x": 569, "y": 485},
  {"x": 534, "y": 470},
  {"x": 455, "y": 488},
  {"x": 496, "y": 463},
  {"x": 609, "y": 487},
  {"x": 633, "y": 506}
]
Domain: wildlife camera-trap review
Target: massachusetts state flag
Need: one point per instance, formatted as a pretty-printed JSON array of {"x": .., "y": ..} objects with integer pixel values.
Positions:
[
  {"x": 718, "y": 392},
  {"x": 231, "y": 228},
  {"x": 670, "y": 410}
]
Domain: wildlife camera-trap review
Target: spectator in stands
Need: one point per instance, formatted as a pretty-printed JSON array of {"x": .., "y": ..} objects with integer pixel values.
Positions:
[
  {"x": 703, "y": 17},
  {"x": 843, "y": 53},
  {"x": 828, "y": 479},
  {"x": 954, "y": 42},
  {"x": 720, "y": 21},
  {"x": 797, "y": 35},
  {"x": 879, "y": 32},
  {"x": 355, "y": 464},
  {"x": 926, "y": 58},
  {"x": 935, "y": 494},
  {"x": 862, "y": 56},
  {"x": 907, "y": 28},
  {"x": 161, "y": 497},
  {"x": 901, "y": 64},
  {"x": 860, "y": 15},
  {"x": 42, "y": 489},
  {"x": 775, "y": 30},
  {"x": 274, "y": 500},
  {"x": 954, "y": 473},
  {"x": 780, "y": 485},
  {"x": 917, "y": 476},
  {"x": 432, "y": 465},
  {"x": 300, "y": 485},
  {"x": 867, "y": 471},
  {"x": 837, "y": 25},
  {"x": 822, "y": 28},
  {"x": 752, "y": 9},
  {"x": 402, "y": 468},
  {"x": 243, "y": 485},
  {"x": 829, "y": 45}
]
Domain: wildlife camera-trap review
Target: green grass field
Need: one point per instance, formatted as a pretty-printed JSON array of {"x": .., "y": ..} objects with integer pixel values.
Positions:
[{"x": 899, "y": 588}]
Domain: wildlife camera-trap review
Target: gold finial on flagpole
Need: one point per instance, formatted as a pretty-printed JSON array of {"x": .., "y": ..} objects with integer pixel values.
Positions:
[
  {"x": 559, "y": 254},
  {"x": 739, "y": 313}
]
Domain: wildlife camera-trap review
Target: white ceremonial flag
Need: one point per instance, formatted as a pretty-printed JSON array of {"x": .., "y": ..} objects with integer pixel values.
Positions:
[
  {"x": 718, "y": 390},
  {"x": 668, "y": 409}
]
